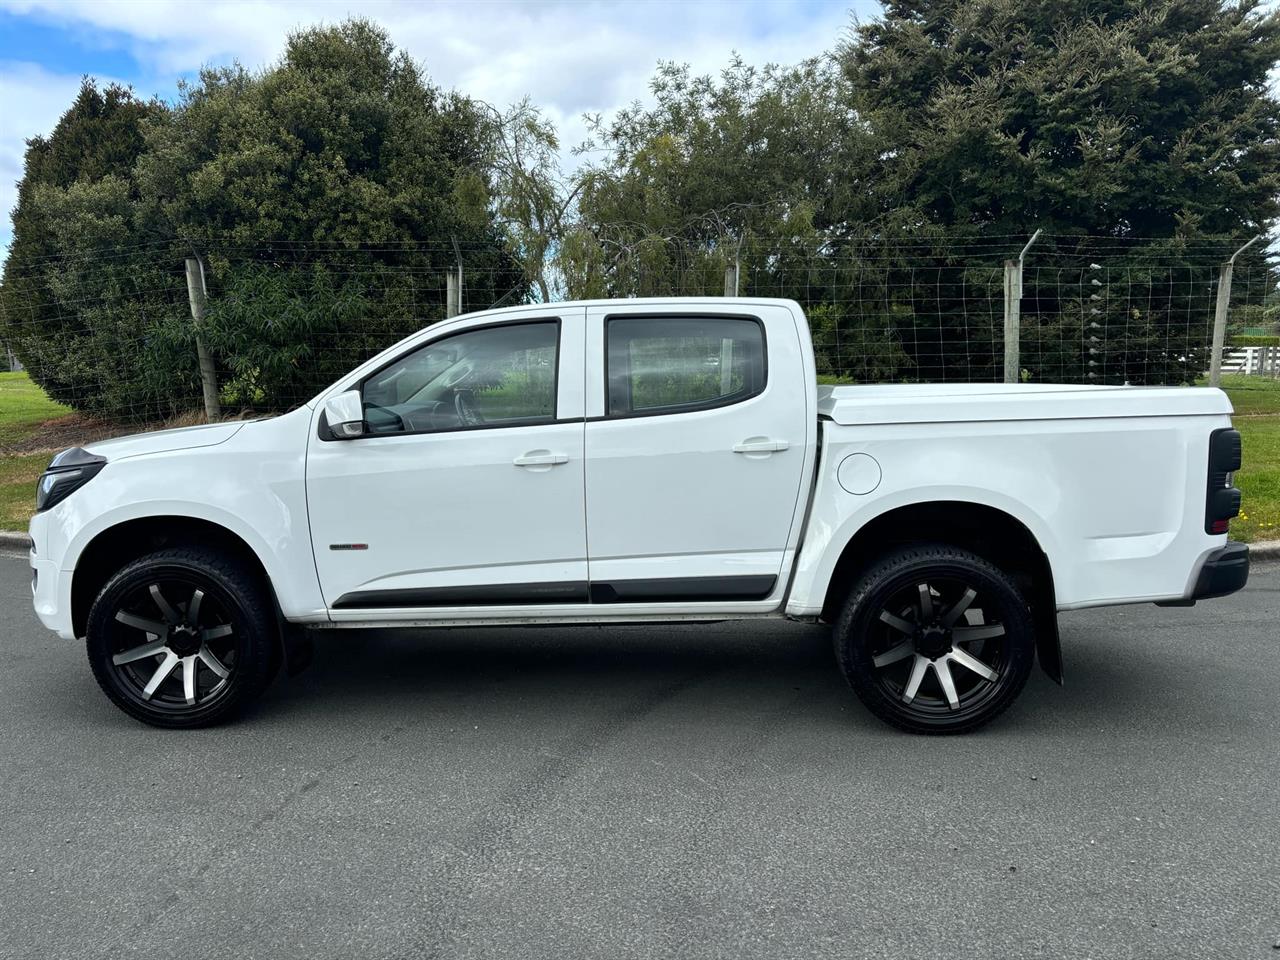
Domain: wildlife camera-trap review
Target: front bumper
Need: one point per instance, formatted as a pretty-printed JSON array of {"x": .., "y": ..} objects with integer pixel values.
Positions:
[
  {"x": 50, "y": 586},
  {"x": 1225, "y": 571},
  {"x": 51, "y": 596}
]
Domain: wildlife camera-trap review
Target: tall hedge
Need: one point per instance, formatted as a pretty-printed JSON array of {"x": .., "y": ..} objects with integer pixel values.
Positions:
[{"x": 324, "y": 194}]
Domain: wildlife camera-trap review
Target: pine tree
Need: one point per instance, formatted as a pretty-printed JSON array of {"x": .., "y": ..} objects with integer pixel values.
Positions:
[{"x": 1120, "y": 119}]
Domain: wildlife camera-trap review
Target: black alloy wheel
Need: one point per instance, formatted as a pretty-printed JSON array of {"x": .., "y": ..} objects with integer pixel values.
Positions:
[
  {"x": 182, "y": 637},
  {"x": 935, "y": 639}
]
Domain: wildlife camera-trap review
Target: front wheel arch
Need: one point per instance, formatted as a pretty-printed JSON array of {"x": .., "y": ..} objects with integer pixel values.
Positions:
[{"x": 116, "y": 547}]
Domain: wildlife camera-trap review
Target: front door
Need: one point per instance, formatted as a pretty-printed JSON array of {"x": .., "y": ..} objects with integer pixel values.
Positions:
[
  {"x": 695, "y": 452},
  {"x": 467, "y": 490}
]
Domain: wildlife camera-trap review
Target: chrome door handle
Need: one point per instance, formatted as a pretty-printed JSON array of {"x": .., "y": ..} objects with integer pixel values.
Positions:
[
  {"x": 755, "y": 445},
  {"x": 540, "y": 458}
]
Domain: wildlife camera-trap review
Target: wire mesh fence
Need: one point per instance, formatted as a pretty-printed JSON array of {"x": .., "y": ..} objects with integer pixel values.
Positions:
[{"x": 110, "y": 331}]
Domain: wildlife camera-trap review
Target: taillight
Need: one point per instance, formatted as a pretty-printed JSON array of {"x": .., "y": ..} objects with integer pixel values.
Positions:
[{"x": 1222, "y": 500}]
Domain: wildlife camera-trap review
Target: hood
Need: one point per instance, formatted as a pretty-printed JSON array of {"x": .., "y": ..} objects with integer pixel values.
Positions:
[{"x": 163, "y": 441}]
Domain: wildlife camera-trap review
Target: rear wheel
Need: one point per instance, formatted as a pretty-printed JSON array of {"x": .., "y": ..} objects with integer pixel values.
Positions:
[
  {"x": 184, "y": 637},
  {"x": 935, "y": 639}
]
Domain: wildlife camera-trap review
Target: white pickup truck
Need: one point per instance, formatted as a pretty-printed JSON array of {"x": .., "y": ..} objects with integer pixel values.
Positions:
[{"x": 638, "y": 460}]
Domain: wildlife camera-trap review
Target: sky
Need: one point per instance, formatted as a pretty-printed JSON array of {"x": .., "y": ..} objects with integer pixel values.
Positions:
[{"x": 570, "y": 56}]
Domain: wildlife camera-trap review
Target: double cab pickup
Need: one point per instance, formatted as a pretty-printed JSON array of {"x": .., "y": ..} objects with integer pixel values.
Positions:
[{"x": 639, "y": 461}]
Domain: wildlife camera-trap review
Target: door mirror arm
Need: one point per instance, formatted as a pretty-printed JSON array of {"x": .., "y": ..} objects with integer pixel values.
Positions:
[{"x": 345, "y": 416}]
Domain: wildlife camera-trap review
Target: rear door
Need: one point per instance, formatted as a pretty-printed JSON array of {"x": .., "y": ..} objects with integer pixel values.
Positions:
[{"x": 695, "y": 451}]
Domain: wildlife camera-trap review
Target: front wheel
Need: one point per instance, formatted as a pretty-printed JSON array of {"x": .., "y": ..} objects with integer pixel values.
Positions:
[
  {"x": 935, "y": 639},
  {"x": 183, "y": 637}
]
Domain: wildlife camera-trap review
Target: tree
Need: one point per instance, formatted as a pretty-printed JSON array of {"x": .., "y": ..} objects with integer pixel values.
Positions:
[
  {"x": 772, "y": 152},
  {"x": 76, "y": 318},
  {"x": 756, "y": 168},
  {"x": 1122, "y": 119},
  {"x": 534, "y": 200},
  {"x": 329, "y": 193}
]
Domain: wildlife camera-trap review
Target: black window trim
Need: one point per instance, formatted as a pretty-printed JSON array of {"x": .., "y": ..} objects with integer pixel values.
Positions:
[
  {"x": 326, "y": 434},
  {"x": 697, "y": 406}
]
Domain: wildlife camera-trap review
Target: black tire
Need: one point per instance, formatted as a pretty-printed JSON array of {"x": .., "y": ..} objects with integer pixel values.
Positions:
[
  {"x": 228, "y": 648},
  {"x": 880, "y": 644}
]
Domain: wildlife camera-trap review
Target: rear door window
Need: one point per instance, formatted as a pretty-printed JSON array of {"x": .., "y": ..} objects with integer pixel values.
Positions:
[{"x": 665, "y": 365}]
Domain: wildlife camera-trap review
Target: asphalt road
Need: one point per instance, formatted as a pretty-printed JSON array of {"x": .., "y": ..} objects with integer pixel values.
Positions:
[{"x": 699, "y": 791}]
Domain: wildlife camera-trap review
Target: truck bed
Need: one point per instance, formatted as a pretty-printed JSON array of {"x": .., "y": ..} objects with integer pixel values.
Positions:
[{"x": 976, "y": 402}]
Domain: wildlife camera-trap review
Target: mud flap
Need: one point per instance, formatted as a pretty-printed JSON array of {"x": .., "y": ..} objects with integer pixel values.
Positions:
[
  {"x": 1044, "y": 614},
  {"x": 298, "y": 648}
]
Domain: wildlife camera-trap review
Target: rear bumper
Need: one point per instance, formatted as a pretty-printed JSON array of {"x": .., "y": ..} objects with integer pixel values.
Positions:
[{"x": 1225, "y": 571}]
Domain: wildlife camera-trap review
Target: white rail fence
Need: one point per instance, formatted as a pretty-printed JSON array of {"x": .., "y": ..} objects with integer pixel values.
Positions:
[{"x": 1253, "y": 361}]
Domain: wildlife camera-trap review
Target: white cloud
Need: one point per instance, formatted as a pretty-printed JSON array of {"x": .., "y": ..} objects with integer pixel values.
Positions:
[
  {"x": 33, "y": 101},
  {"x": 570, "y": 56}
]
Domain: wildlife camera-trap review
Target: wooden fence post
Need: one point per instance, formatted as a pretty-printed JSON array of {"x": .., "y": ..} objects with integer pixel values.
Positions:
[
  {"x": 1012, "y": 320},
  {"x": 451, "y": 305},
  {"x": 1013, "y": 314},
  {"x": 197, "y": 295},
  {"x": 1220, "y": 313},
  {"x": 731, "y": 279},
  {"x": 1220, "y": 324}
]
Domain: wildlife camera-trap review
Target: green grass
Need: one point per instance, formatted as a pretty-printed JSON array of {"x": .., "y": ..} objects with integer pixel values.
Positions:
[
  {"x": 18, "y": 477},
  {"x": 1253, "y": 396},
  {"x": 1259, "y": 480},
  {"x": 23, "y": 407},
  {"x": 1257, "y": 417}
]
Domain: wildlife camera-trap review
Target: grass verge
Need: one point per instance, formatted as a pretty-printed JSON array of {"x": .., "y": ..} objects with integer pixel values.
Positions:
[
  {"x": 18, "y": 475},
  {"x": 1257, "y": 416},
  {"x": 1258, "y": 480},
  {"x": 23, "y": 408},
  {"x": 1253, "y": 396}
]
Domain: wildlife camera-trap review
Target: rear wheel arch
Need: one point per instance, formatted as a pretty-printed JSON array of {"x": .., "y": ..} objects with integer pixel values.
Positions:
[{"x": 993, "y": 534}]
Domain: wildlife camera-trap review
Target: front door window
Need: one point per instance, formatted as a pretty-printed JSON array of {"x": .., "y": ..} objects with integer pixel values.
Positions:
[{"x": 494, "y": 376}]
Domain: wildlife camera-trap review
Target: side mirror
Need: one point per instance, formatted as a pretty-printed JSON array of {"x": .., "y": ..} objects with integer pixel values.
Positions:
[{"x": 345, "y": 415}]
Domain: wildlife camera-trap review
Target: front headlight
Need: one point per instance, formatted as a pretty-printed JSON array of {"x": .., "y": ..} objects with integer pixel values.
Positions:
[{"x": 69, "y": 471}]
